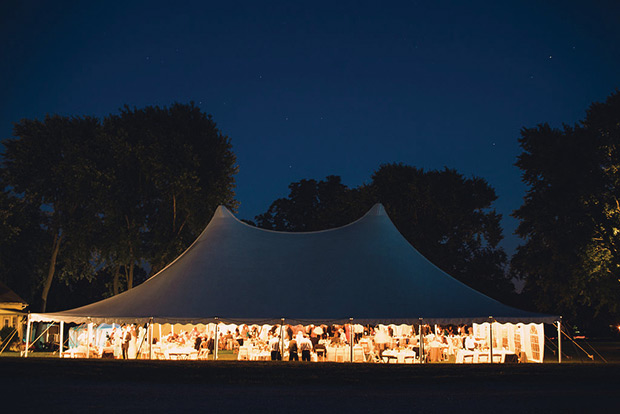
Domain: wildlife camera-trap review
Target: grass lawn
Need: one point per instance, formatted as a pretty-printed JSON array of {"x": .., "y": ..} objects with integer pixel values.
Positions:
[{"x": 93, "y": 385}]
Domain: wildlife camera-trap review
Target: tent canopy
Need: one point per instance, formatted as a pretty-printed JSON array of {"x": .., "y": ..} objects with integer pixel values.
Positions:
[{"x": 235, "y": 272}]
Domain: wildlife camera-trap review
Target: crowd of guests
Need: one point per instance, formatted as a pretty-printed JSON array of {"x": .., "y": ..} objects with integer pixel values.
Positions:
[{"x": 298, "y": 342}]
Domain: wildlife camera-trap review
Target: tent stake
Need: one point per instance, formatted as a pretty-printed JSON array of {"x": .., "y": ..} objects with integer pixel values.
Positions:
[
  {"x": 62, "y": 338},
  {"x": 27, "y": 336}
]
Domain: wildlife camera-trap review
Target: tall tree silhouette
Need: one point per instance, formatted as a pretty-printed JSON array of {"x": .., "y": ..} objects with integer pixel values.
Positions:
[
  {"x": 570, "y": 218},
  {"x": 447, "y": 217},
  {"x": 55, "y": 165}
]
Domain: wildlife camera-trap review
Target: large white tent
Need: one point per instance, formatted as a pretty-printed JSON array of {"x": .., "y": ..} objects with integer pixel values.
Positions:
[{"x": 235, "y": 272}]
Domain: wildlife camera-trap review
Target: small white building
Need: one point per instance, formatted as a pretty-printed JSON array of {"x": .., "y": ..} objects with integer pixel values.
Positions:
[{"x": 12, "y": 310}]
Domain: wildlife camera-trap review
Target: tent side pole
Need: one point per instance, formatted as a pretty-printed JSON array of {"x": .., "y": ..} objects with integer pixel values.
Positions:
[
  {"x": 490, "y": 339},
  {"x": 421, "y": 344},
  {"x": 90, "y": 330},
  {"x": 282, "y": 339},
  {"x": 560, "y": 340},
  {"x": 217, "y": 345},
  {"x": 351, "y": 337},
  {"x": 150, "y": 336},
  {"x": 62, "y": 338},
  {"x": 27, "y": 336}
]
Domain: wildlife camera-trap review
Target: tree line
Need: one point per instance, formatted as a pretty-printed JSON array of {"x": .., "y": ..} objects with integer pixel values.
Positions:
[{"x": 95, "y": 206}]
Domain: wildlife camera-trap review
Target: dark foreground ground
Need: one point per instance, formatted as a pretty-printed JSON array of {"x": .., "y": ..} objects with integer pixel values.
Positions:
[{"x": 112, "y": 386}]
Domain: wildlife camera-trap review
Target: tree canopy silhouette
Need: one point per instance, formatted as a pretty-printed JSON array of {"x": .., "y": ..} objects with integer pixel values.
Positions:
[
  {"x": 446, "y": 216},
  {"x": 131, "y": 190},
  {"x": 570, "y": 218}
]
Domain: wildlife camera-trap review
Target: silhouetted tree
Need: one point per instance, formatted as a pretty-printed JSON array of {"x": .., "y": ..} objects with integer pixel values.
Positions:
[
  {"x": 570, "y": 218},
  {"x": 54, "y": 164},
  {"x": 312, "y": 206},
  {"x": 450, "y": 220},
  {"x": 446, "y": 217},
  {"x": 125, "y": 195},
  {"x": 21, "y": 238},
  {"x": 169, "y": 170}
]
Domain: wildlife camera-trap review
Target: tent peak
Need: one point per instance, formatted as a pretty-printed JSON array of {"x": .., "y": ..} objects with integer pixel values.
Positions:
[
  {"x": 222, "y": 212},
  {"x": 377, "y": 210}
]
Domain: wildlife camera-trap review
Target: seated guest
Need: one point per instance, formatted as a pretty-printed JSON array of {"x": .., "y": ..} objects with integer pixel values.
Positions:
[
  {"x": 470, "y": 343},
  {"x": 238, "y": 337}
]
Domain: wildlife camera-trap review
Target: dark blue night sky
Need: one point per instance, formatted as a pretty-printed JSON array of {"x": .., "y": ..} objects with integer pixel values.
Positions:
[{"x": 308, "y": 89}]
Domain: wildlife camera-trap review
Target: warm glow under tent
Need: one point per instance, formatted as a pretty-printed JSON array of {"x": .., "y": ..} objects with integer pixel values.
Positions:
[{"x": 234, "y": 272}]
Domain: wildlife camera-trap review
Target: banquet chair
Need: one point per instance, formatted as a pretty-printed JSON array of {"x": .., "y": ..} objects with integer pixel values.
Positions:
[
  {"x": 203, "y": 354},
  {"x": 157, "y": 352},
  {"x": 483, "y": 357},
  {"x": 390, "y": 359},
  {"x": 358, "y": 354},
  {"x": 468, "y": 359},
  {"x": 339, "y": 354},
  {"x": 368, "y": 353},
  {"x": 320, "y": 352},
  {"x": 243, "y": 355},
  {"x": 409, "y": 358}
]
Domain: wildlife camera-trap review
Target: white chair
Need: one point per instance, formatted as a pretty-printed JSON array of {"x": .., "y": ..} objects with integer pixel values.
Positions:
[
  {"x": 358, "y": 354},
  {"x": 243, "y": 355},
  {"x": 339, "y": 356}
]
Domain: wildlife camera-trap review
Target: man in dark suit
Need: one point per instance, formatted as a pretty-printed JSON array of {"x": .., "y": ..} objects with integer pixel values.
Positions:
[{"x": 126, "y": 340}]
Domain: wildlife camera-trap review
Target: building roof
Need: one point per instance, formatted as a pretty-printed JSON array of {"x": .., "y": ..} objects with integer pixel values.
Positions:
[{"x": 10, "y": 301}]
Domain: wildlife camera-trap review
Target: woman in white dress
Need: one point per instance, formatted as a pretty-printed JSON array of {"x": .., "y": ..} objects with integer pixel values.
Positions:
[{"x": 132, "y": 352}]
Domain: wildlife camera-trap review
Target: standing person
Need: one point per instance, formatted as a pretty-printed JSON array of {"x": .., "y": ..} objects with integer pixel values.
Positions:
[
  {"x": 292, "y": 351},
  {"x": 274, "y": 345},
  {"x": 211, "y": 344},
  {"x": 132, "y": 350},
  {"x": 126, "y": 340},
  {"x": 306, "y": 347}
]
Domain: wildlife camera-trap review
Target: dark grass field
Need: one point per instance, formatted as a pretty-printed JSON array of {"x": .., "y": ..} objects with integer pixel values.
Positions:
[{"x": 112, "y": 386}]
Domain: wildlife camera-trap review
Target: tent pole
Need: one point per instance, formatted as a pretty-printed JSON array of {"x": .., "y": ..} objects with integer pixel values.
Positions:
[
  {"x": 150, "y": 336},
  {"x": 490, "y": 339},
  {"x": 560, "y": 340},
  {"x": 216, "y": 342},
  {"x": 421, "y": 344},
  {"x": 27, "y": 336},
  {"x": 90, "y": 330},
  {"x": 62, "y": 338},
  {"x": 351, "y": 337},
  {"x": 159, "y": 324},
  {"x": 282, "y": 339}
]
